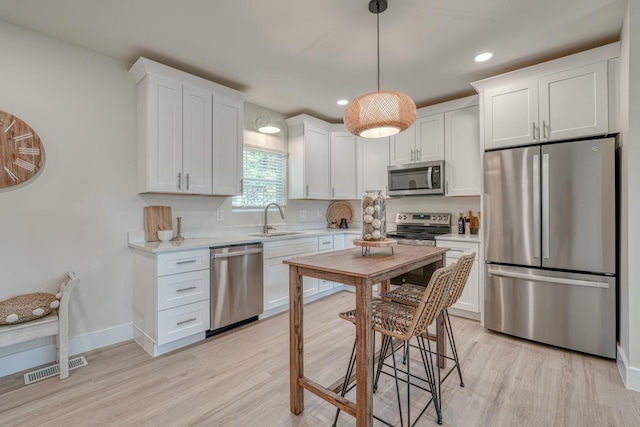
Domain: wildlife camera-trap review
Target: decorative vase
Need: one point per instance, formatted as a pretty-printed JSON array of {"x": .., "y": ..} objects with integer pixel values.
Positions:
[{"x": 374, "y": 216}]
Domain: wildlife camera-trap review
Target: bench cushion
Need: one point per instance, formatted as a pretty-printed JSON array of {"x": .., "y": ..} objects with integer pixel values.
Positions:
[{"x": 23, "y": 308}]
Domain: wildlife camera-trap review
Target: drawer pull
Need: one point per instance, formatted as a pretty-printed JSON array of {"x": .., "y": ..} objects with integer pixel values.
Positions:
[
  {"x": 193, "y": 319},
  {"x": 186, "y": 289},
  {"x": 456, "y": 250},
  {"x": 191, "y": 261},
  {"x": 326, "y": 243}
]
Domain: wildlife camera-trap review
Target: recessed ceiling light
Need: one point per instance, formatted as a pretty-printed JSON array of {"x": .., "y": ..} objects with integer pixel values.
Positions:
[
  {"x": 485, "y": 56},
  {"x": 343, "y": 102}
]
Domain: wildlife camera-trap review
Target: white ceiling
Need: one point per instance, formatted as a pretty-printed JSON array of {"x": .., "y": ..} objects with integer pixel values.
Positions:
[{"x": 295, "y": 56}]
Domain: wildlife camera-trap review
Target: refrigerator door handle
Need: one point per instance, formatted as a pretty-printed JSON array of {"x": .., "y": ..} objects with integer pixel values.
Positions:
[
  {"x": 545, "y": 205},
  {"x": 559, "y": 280},
  {"x": 536, "y": 205}
]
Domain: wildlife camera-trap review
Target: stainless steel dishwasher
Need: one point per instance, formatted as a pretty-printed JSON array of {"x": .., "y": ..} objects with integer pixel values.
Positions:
[{"x": 236, "y": 286}]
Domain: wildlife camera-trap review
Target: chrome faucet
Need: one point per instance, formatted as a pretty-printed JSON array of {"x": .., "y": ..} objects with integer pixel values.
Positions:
[{"x": 266, "y": 208}]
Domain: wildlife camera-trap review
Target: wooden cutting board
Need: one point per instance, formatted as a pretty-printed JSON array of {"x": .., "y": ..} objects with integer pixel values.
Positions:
[{"x": 156, "y": 218}]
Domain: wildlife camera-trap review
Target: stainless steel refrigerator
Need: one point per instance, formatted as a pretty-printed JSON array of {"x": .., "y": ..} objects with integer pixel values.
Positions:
[{"x": 550, "y": 244}]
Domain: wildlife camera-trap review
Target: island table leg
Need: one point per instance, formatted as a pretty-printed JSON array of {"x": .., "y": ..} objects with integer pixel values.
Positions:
[
  {"x": 364, "y": 354},
  {"x": 296, "y": 350}
]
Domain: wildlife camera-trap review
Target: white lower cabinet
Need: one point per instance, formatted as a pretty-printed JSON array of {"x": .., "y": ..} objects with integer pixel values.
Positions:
[
  {"x": 276, "y": 273},
  {"x": 171, "y": 306},
  {"x": 325, "y": 245},
  {"x": 469, "y": 302}
]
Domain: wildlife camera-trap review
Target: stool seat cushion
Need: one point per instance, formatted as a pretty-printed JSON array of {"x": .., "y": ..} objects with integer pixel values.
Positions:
[{"x": 23, "y": 308}]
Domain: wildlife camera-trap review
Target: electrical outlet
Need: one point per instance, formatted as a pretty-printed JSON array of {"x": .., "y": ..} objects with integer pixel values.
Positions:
[
  {"x": 220, "y": 215},
  {"x": 303, "y": 213}
]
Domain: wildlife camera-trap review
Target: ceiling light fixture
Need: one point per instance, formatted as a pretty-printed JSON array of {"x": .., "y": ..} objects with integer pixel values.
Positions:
[
  {"x": 342, "y": 102},
  {"x": 485, "y": 56},
  {"x": 265, "y": 124},
  {"x": 381, "y": 113}
]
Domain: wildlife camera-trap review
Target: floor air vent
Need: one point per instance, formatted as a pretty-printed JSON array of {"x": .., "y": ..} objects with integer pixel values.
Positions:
[{"x": 52, "y": 371}]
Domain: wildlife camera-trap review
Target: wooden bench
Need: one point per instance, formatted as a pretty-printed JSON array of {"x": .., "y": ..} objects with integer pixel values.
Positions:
[{"x": 55, "y": 324}]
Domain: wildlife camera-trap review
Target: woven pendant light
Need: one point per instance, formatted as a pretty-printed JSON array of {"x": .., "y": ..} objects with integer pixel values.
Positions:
[{"x": 380, "y": 113}]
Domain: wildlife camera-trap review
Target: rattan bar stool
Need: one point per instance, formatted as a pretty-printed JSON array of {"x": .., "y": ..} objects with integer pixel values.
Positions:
[
  {"x": 401, "y": 322},
  {"x": 410, "y": 294}
]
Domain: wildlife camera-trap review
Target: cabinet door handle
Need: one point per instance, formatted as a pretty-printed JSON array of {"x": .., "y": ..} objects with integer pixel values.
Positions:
[
  {"x": 534, "y": 131},
  {"x": 544, "y": 130},
  {"x": 412, "y": 155},
  {"x": 241, "y": 186},
  {"x": 193, "y": 319},
  {"x": 191, "y": 261},
  {"x": 187, "y": 182},
  {"x": 185, "y": 289},
  {"x": 417, "y": 154},
  {"x": 179, "y": 180},
  {"x": 446, "y": 185},
  {"x": 333, "y": 192},
  {"x": 307, "y": 191}
]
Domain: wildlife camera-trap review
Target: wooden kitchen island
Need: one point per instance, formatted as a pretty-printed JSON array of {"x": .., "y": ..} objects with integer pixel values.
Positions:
[{"x": 350, "y": 268}]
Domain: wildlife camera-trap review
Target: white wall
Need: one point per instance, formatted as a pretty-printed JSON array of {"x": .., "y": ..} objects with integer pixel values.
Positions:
[
  {"x": 629, "y": 290},
  {"x": 75, "y": 214}
]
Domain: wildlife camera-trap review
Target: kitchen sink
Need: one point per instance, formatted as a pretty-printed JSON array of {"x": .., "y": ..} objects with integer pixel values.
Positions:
[{"x": 277, "y": 234}]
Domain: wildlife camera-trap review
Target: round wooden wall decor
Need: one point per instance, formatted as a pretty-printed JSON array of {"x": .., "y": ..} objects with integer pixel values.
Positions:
[{"x": 21, "y": 151}]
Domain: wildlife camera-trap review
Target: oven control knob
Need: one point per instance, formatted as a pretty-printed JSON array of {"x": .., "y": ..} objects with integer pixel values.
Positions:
[
  {"x": 404, "y": 217},
  {"x": 438, "y": 217}
]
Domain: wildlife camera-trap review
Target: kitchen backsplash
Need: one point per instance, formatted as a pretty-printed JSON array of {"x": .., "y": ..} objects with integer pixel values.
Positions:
[{"x": 200, "y": 214}]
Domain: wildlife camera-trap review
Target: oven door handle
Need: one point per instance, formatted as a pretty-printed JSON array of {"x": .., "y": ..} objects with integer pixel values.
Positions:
[{"x": 429, "y": 179}]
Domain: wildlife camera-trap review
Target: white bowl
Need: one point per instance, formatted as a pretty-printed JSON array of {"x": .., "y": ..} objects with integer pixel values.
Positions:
[{"x": 165, "y": 235}]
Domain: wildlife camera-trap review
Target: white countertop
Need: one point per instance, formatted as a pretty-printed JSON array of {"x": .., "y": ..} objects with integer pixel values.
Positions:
[
  {"x": 232, "y": 239},
  {"x": 475, "y": 238}
]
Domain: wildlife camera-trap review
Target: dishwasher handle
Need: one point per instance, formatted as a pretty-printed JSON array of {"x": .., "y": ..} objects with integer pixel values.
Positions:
[{"x": 235, "y": 254}]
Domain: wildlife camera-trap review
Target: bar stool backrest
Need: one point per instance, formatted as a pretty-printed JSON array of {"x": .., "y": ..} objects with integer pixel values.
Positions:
[
  {"x": 459, "y": 279},
  {"x": 433, "y": 299}
]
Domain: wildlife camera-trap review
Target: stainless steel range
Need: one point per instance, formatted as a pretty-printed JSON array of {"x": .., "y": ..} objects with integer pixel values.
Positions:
[{"x": 419, "y": 229}]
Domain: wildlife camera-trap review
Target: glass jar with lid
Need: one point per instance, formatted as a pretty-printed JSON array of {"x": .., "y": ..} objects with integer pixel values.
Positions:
[{"x": 374, "y": 216}]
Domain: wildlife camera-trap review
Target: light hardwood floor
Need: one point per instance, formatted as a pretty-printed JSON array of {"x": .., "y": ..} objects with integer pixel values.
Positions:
[{"x": 241, "y": 378}]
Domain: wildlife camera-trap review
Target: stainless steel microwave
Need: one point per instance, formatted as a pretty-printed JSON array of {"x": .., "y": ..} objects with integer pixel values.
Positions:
[{"x": 416, "y": 179}]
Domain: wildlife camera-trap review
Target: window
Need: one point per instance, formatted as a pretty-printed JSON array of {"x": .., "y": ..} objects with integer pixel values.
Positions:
[{"x": 264, "y": 179}]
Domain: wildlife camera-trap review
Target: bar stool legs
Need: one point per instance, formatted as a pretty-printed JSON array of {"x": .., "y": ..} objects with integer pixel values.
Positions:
[{"x": 452, "y": 343}]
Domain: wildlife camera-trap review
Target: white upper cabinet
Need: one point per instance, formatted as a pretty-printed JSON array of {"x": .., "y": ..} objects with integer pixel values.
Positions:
[
  {"x": 309, "y": 148},
  {"x": 343, "y": 166},
  {"x": 227, "y": 145},
  {"x": 574, "y": 103},
  {"x": 160, "y": 124},
  {"x": 511, "y": 114},
  {"x": 560, "y": 99},
  {"x": 196, "y": 137},
  {"x": 316, "y": 163},
  {"x": 372, "y": 161},
  {"x": 422, "y": 142},
  {"x": 462, "y": 152},
  {"x": 189, "y": 132},
  {"x": 429, "y": 138},
  {"x": 403, "y": 146}
]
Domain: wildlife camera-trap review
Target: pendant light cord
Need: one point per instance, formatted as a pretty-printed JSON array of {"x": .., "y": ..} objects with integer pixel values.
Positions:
[{"x": 378, "y": 41}]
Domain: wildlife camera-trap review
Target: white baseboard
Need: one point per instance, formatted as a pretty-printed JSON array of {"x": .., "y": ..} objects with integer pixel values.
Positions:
[
  {"x": 630, "y": 375},
  {"x": 43, "y": 354}
]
